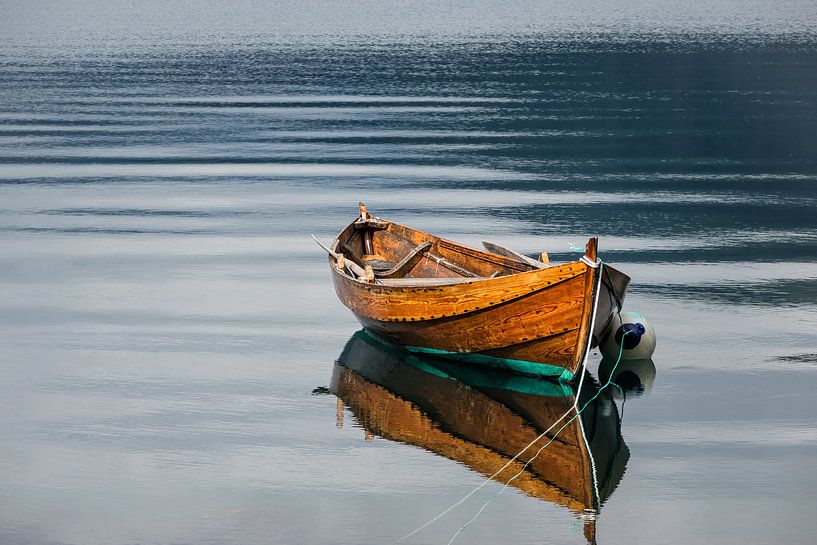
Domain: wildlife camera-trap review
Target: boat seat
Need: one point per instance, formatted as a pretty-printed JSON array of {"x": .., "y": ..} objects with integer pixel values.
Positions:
[{"x": 405, "y": 265}]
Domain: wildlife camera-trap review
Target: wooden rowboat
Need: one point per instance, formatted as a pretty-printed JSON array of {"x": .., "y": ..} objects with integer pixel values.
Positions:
[
  {"x": 494, "y": 307},
  {"x": 483, "y": 418}
]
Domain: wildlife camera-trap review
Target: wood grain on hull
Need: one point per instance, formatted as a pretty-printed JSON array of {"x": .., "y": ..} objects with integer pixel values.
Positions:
[
  {"x": 414, "y": 303},
  {"x": 539, "y": 318}
]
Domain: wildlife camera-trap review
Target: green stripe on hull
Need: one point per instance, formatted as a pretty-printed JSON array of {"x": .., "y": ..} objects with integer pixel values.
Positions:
[
  {"x": 519, "y": 366},
  {"x": 441, "y": 364},
  {"x": 481, "y": 377}
]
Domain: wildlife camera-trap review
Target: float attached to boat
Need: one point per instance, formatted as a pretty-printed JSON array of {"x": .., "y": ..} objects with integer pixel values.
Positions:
[{"x": 494, "y": 307}]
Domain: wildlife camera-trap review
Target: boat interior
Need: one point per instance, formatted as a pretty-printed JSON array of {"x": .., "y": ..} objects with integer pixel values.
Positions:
[{"x": 393, "y": 254}]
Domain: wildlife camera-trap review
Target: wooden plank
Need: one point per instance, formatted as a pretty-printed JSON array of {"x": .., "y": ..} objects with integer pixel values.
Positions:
[
  {"x": 539, "y": 314},
  {"x": 398, "y": 303},
  {"x": 557, "y": 348}
]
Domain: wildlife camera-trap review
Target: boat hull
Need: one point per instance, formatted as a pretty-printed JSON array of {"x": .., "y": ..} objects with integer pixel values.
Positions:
[
  {"x": 537, "y": 323},
  {"x": 443, "y": 298}
]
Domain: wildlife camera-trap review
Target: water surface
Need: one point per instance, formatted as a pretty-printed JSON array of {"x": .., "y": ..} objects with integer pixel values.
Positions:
[{"x": 165, "y": 316}]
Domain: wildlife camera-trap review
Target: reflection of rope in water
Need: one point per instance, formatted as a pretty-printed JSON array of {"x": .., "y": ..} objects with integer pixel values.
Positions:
[
  {"x": 529, "y": 445},
  {"x": 524, "y": 467},
  {"x": 486, "y": 481}
]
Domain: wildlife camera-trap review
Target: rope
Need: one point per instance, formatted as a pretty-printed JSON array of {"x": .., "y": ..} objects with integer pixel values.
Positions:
[
  {"x": 529, "y": 445},
  {"x": 593, "y": 265}
]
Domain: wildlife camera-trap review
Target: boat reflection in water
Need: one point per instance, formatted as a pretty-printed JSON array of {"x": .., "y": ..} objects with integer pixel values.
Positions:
[{"x": 483, "y": 418}]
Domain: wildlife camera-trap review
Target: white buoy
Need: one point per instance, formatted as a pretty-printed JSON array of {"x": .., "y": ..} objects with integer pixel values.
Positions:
[{"x": 634, "y": 332}]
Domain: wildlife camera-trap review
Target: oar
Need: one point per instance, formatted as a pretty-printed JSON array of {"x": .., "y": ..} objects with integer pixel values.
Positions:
[
  {"x": 507, "y": 252},
  {"x": 351, "y": 265}
]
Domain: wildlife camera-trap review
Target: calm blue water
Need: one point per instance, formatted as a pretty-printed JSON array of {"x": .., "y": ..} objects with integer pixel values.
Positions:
[{"x": 164, "y": 316}]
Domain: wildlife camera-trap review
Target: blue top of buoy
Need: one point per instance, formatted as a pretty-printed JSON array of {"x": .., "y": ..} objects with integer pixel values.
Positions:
[{"x": 632, "y": 337}]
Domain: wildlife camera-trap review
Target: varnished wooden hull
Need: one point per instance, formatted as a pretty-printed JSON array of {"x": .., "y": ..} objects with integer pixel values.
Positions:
[{"x": 529, "y": 320}]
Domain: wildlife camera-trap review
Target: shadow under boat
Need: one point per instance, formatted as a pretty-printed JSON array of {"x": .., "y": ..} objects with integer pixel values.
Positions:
[{"x": 483, "y": 418}]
